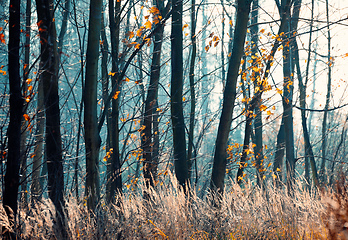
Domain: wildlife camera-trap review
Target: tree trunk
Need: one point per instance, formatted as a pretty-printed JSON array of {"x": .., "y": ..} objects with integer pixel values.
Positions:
[
  {"x": 49, "y": 77},
  {"x": 25, "y": 123},
  {"x": 327, "y": 102},
  {"x": 150, "y": 112},
  {"x": 114, "y": 180},
  {"x": 192, "y": 89},
  {"x": 16, "y": 107},
  {"x": 302, "y": 87},
  {"x": 219, "y": 165},
  {"x": 177, "y": 114},
  {"x": 92, "y": 138},
  {"x": 254, "y": 30},
  {"x": 287, "y": 100}
]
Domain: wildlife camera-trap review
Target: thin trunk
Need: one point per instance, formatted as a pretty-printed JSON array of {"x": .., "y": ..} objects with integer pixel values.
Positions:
[
  {"x": 327, "y": 102},
  {"x": 254, "y": 30},
  {"x": 81, "y": 47},
  {"x": 105, "y": 78},
  {"x": 92, "y": 138},
  {"x": 303, "y": 87},
  {"x": 192, "y": 88},
  {"x": 16, "y": 107},
  {"x": 25, "y": 123},
  {"x": 177, "y": 114},
  {"x": 219, "y": 164}
]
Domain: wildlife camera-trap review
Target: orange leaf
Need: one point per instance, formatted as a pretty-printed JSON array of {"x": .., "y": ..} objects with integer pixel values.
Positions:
[
  {"x": 185, "y": 26},
  {"x": 116, "y": 95},
  {"x": 148, "y": 25},
  {"x": 26, "y": 117},
  {"x": 2, "y": 38}
]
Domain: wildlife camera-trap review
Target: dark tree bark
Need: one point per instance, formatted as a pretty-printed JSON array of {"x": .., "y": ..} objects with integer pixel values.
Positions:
[
  {"x": 177, "y": 114},
  {"x": 288, "y": 95},
  {"x": 151, "y": 103},
  {"x": 219, "y": 165},
  {"x": 92, "y": 138},
  {"x": 114, "y": 180},
  {"x": 25, "y": 91},
  {"x": 16, "y": 107},
  {"x": 192, "y": 88},
  {"x": 49, "y": 78}
]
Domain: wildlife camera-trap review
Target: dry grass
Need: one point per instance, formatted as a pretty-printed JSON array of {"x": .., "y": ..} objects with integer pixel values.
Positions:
[{"x": 247, "y": 213}]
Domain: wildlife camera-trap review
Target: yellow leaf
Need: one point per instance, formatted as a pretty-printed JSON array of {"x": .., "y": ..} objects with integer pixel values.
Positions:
[
  {"x": 231, "y": 23},
  {"x": 112, "y": 74},
  {"x": 270, "y": 164},
  {"x": 207, "y": 48},
  {"x": 183, "y": 99},
  {"x": 278, "y": 170}
]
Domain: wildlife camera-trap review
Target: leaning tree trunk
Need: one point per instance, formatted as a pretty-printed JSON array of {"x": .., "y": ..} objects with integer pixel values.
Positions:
[
  {"x": 219, "y": 165},
  {"x": 16, "y": 107},
  {"x": 177, "y": 114},
  {"x": 92, "y": 138}
]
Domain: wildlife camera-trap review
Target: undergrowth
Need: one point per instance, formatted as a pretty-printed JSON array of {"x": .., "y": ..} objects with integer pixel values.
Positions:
[{"x": 248, "y": 213}]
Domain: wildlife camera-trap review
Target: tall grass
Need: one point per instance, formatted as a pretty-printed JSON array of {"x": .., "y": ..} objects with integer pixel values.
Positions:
[{"x": 248, "y": 213}]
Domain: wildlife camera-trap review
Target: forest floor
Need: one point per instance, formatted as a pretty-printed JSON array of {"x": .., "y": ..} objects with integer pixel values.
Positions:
[{"x": 248, "y": 213}]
